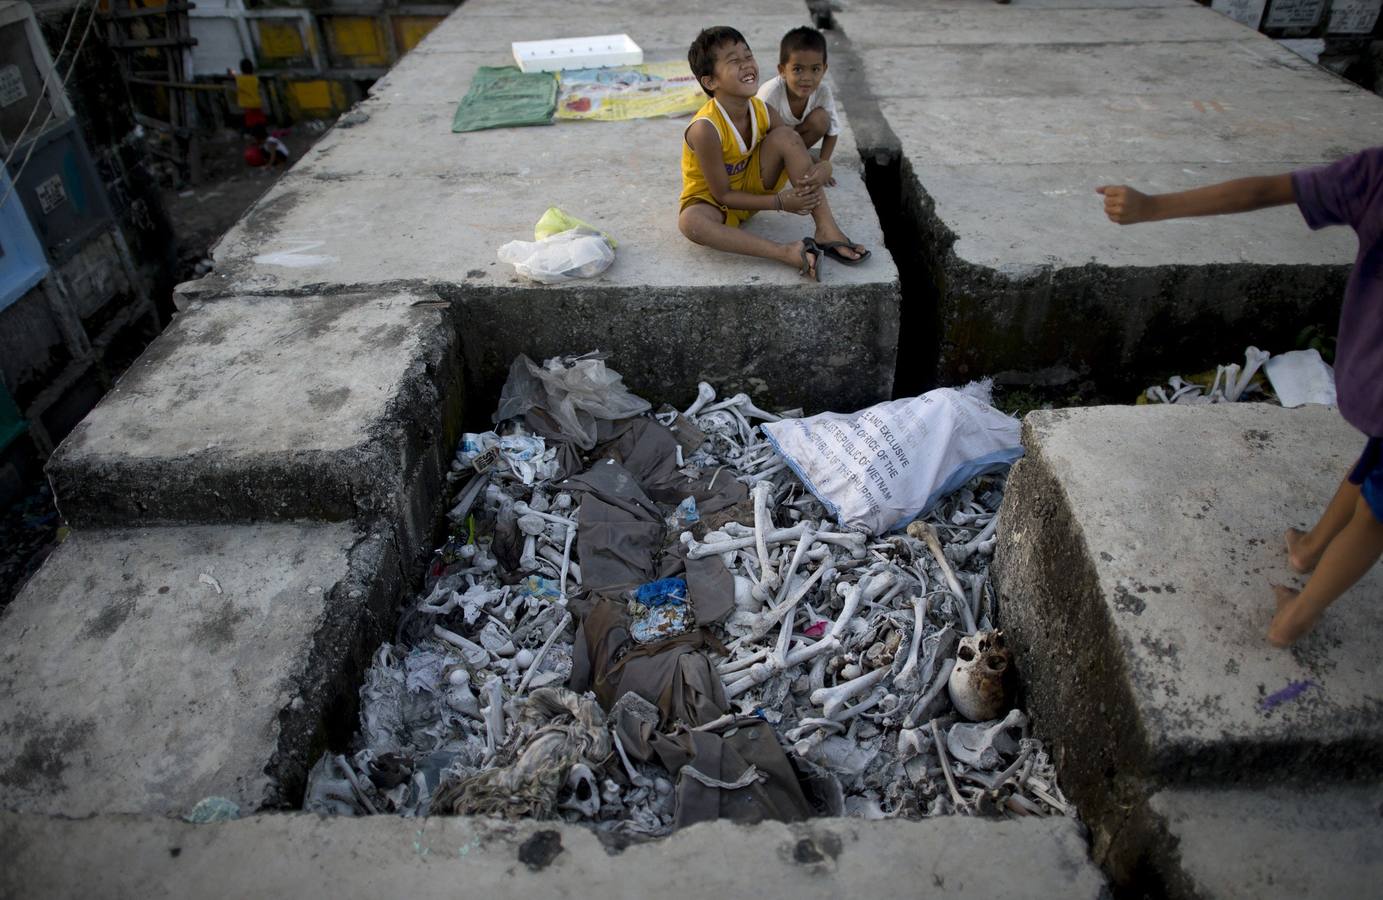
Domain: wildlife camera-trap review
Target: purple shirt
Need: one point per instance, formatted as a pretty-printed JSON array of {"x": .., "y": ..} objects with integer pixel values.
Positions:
[{"x": 1350, "y": 192}]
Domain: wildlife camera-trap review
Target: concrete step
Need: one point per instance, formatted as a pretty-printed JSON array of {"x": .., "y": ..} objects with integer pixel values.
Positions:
[
  {"x": 1006, "y": 117},
  {"x": 303, "y": 855},
  {"x": 1269, "y": 843},
  {"x": 365, "y": 209},
  {"x": 333, "y": 406},
  {"x": 1136, "y": 548},
  {"x": 146, "y": 669}
]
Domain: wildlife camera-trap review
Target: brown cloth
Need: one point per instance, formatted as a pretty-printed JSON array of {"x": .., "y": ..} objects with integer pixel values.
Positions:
[
  {"x": 618, "y": 529},
  {"x": 674, "y": 675},
  {"x": 707, "y": 764}
]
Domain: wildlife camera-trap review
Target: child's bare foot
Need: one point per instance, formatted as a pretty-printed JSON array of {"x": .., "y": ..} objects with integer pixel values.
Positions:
[
  {"x": 1297, "y": 556},
  {"x": 1286, "y": 628},
  {"x": 833, "y": 235},
  {"x": 802, "y": 258}
]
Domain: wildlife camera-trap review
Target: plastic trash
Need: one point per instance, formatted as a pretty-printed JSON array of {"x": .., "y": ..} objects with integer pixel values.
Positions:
[
  {"x": 878, "y": 469},
  {"x": 565, "y": 256},
  {"x": 659, "y": 611},
  {"x": 1301, "y": 377},
  {"x": 213, "y": 809},
  {"x": 557, "y": 220},
  {"x": 574, "y": 391},
  {"x": 686, "y": 512},
  {"x": 472, "y": 445}
]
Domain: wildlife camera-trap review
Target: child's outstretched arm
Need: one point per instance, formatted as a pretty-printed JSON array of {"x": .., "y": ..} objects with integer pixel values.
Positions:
[{"x": 1126, "y": 206}]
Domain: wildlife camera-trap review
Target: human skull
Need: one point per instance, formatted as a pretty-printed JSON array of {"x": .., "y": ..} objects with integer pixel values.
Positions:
[
  {"x": 584, "y": 796},
  {"x": 984, "y": 679}
]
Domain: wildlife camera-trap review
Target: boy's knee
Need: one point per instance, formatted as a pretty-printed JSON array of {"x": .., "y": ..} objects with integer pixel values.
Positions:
[
  {"x": 690, "y": 226},
  {"x": 818, "y": 118},
  {"x": 785, "y": 136}
]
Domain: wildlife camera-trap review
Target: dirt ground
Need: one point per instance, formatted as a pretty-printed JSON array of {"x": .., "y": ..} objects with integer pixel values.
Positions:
[{"x": 202, "y": 213}]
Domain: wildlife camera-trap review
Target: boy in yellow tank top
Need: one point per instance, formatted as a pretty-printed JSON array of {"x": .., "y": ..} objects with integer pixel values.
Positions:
[{"x": 739, "y": 157}]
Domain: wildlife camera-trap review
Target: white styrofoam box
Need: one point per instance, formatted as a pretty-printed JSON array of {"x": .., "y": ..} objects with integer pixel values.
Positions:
[{"x": 577, "y": 53}]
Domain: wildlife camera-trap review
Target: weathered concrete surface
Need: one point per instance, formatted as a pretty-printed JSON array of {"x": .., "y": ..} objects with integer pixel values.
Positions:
[
  {"x": 1325, "y": 841},
  {"x": 269, "y": 408},
  {"x": 144, "y": 670},
  {"x": 1006, "y": 117},
  {"x": 399, "y": 199},
  {"x": 1135, "y": 550},
  {"x": 441, "y": 857}
]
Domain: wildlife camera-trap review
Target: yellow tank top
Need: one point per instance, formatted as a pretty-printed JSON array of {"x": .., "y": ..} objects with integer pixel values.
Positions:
[
  {"x": 733, "y": 150},
  {"x": 247, "y": 92}
]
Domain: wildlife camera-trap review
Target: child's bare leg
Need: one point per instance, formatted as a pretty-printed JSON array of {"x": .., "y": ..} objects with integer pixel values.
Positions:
[
  {"x": 705, "y": 224},
  {"x": 1304, "y": 548},
  {"x": 1350, "y": 554},
  {"x": 783, "y": 148},
  {"x": 813, "y": 127}
]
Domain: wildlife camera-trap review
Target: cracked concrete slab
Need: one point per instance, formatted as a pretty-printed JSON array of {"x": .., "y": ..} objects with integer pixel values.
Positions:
[
  {"x": 1276, "y": 842},
  {"x": 1006, "y": 118},
  {"x": 1136, "y": 548},
  {"x": 386, "y": 855},
  {"x": 146, "y": 669},
  {"x": 366, "y": 210},
  {"x": 328, "y": 407}
]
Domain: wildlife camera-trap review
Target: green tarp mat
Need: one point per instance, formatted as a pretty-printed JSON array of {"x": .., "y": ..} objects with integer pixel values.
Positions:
[{"x": 504, "y": 97}]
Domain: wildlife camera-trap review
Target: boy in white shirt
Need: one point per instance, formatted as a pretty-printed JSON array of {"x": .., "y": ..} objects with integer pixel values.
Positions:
[{"x": 798, "y": 93}]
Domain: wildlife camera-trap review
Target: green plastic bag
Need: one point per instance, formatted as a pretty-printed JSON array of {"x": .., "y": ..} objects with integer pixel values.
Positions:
[
  {"x": 556, "y": 221},
  {"x": 504, "y": 97}
]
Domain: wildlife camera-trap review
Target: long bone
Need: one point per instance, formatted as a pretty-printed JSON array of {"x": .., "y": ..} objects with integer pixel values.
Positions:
[
  {"x": 634, "y": 777},
  {"x": 698, "y": 550},
  {"x": 1253, "y": 361},
  {"x": 566, "y": 566},
  {"x": 768, "y": 578},
  {"x": 704, "y": 394},
  {"x": 531, "y": 525},
  {"x": 523, "y": 509},
  {"x": 768, "y": 619},
  {"x": 906, "y": 679},
  {"x": 939, "y": 684},
  {"x": 807, "y": 539},
  {"x": 832, "y": 700},
  {"x": 940, "y": 746},
  {"x": 542, "y": 652},
  {"x": 550, "y": 554},
  {"x": 928, "y": 535},
  {"x": 968, "y": 550},
  {"x": 763, "y": 671},
  {"x": 494, "y": 716},
  {"x": 473, "y": 653},
  {"x": 746, "y": 406}
]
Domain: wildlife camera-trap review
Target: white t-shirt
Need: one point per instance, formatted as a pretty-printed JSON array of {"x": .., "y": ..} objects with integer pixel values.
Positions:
[{"x": 775, "y": 94}]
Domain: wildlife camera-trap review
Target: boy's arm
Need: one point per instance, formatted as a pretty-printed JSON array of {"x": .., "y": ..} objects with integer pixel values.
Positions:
[
  {"x": 828, "y": 146},
  {"x": 1127, "y": 206},
  {"x": 705, "y": 143}
]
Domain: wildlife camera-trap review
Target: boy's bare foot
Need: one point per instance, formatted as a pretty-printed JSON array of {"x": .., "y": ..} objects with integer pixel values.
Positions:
[
  {"x": 804, "y": 262},
  {"x": 1284, "y": 630},
  {"x": 1297, "y": 556},
  {"x": 834, "y": 235}
]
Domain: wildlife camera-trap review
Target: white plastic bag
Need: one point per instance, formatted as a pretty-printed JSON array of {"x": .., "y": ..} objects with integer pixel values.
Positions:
[
  {"x": 574, "y": 391},
  {"x": 564, "y": 256},
  {"x": 1301, "y": 377},
  {"x": 878, "y": 469}
]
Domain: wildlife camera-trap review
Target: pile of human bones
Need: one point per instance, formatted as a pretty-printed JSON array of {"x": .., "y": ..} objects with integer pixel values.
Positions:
[{"x": 873, "y": 661}]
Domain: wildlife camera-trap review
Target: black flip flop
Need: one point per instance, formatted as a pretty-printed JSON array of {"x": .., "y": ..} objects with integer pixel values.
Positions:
[
  {"x": 813, "y": 270},
  {"x": 829, "y": 248}
]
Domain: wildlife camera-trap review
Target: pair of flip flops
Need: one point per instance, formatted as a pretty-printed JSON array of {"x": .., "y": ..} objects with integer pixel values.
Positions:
[{"x": 828, "y": 248}]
